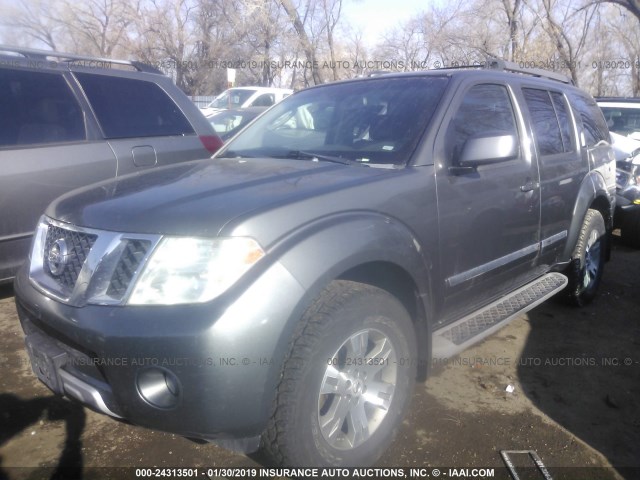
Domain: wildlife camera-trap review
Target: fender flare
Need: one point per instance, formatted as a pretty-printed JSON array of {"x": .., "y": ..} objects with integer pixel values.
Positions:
[{"x": 592, "y": 190}]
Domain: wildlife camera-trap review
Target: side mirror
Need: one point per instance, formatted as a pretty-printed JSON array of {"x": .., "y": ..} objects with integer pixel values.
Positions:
[{"x": 482, "y": 150}]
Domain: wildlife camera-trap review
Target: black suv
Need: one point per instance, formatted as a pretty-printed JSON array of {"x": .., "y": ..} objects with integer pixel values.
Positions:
[
  {"x": 287, "y": 294},
  {"x": 67, "y": 121}
]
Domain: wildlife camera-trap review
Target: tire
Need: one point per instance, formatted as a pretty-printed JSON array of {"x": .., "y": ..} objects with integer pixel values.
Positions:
[
  {"x": 587, "y": 264},
  {"x": 327, "y": 385},
  {"x": 630, "y": 229}
]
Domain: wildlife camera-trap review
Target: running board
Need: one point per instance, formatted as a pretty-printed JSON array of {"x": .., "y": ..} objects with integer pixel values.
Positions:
[{"x": 454, "y": 338}]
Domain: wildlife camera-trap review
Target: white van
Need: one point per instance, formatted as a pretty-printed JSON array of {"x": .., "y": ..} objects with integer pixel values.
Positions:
[{"x": 242, "y": 97}]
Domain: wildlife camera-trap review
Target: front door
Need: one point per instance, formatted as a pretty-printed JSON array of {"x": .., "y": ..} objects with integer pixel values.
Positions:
[{"x": 489, "y": 211}]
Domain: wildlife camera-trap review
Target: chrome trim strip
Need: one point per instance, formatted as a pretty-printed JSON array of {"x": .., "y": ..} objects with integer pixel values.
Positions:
[
  {"x": 553, "y": 239},
  {"x": 84, "y": 392},
  {"x": 493, "y": 264}
]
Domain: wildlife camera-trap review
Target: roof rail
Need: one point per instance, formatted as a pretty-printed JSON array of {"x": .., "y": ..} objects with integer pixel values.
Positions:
[
  {"x": 69, "y": 58},
  {"x": 499, "y": 64}
]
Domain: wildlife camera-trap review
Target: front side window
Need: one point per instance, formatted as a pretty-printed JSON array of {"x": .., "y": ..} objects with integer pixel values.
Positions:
[
  {"x": 128, "y": 108},
  {"x": 38, "y": 108},
  {"x": 486, "y": 111},
  {"x": 377, "y": 121}
]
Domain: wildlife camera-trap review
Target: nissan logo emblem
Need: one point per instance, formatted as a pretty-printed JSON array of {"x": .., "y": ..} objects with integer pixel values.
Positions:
[{"x": 57, "y": 257}]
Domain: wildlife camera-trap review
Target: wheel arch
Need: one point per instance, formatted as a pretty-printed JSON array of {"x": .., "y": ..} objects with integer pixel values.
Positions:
[
  {"x": 593, "y": 194},
  {"x": 371, "y": 249},
  {"x": 399, "y": 283}
]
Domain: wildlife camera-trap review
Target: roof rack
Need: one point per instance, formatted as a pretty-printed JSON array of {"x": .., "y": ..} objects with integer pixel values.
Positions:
[
  {"x": 499, "y": 64},
  {"x": 69, "y": 58}
]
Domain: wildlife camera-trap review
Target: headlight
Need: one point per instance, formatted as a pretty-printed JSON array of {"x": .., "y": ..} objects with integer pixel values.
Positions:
[{"x": 193, "y": 270}]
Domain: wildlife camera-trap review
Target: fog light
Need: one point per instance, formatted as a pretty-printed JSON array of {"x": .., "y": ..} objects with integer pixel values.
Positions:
[{"x": 158, "y": 387}]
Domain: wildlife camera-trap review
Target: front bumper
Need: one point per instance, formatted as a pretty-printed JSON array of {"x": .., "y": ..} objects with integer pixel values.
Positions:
[{"x": 221, "y": 361}]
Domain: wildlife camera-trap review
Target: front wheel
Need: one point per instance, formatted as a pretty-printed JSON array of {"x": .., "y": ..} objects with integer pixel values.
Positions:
[
  {"x": 587, "y": 264},
  {"x": 347, "y": 381}
]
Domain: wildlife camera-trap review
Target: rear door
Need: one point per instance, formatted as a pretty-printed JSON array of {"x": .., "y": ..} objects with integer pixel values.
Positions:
[
  {"x": 44, "y": 152},
  {"x": 141, "y": 122},
  {"x": 488, "y": 214},
  {"x": 562, "y": 168}
]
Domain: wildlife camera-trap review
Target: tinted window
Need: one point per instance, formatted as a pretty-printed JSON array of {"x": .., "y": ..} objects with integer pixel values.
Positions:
[
  {"x": 546, "y": 127},
  {"x": 485, "y": 111},
  {"x": 560, "y": 106},
  {"x": 132, "y": 108},
  {"x": 36, "y": 108},
  {"x": 593, "y": 122}
]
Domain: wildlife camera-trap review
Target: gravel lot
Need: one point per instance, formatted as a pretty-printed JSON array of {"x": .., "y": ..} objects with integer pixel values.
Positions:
[{"x": 576, "y": 402}]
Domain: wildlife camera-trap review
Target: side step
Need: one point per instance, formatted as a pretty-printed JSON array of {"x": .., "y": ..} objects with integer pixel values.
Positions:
[{"x": 454, "y": 338}]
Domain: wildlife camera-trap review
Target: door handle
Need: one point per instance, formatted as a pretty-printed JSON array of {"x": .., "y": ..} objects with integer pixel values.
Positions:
[{"x": 529, "y": 186}]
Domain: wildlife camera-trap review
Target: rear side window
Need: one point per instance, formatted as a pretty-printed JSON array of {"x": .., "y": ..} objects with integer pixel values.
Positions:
[
  {"x": 129, "y": 108},
  {"x": 595, "y": 127},
  {"x": 550, "y": 121},
  {"x": 562, "y": 112},
  {"x": 38, "y": 108}
]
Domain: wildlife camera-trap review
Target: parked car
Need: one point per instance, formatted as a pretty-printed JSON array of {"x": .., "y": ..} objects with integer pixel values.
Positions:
[
  {"x": 244, "y": 97},
  {"x": 622, "y": 115},
  {"x": 287, "y": 294},
  {"x": 67, "y": 121},
  {"x": 227, "y": 123},
  {"x": 623, "y": 119}
]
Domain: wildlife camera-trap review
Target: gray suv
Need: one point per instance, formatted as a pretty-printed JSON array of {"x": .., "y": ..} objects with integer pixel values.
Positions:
[
  {"x": 67, "y": 121},
  {"x": 287, "y": 294}
]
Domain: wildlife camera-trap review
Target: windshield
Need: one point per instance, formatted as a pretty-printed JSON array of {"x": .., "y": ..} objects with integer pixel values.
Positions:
[
  {"x": 232, "y": 98},
  {"x": 374, "y": 122},
  {"x": 623, "y": 121}
]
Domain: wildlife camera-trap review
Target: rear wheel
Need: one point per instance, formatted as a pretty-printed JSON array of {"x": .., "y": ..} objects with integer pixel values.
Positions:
[
  {"x": 587, "y": 265},
  {"x": 347, "y": 381}
]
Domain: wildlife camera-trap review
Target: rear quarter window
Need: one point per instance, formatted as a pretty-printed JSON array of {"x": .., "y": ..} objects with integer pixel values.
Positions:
[
  {"x": 593, "y": 122},
  {"x": 127, "y": 108}
]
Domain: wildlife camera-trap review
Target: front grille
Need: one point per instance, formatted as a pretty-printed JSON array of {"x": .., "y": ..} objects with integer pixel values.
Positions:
[
  {"x": 130, "y": 260},
  {"x": 78, "y": 245},
  {"x": 78, "y": 265}
]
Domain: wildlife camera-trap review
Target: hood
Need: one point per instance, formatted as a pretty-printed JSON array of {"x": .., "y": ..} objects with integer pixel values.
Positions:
[{"x": 199, "y": 198}]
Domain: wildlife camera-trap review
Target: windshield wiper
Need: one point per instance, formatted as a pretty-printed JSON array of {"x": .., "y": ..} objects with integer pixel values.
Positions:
[
  {"x": 233, "y": 154},
  {"x": 315, "y": 157}
]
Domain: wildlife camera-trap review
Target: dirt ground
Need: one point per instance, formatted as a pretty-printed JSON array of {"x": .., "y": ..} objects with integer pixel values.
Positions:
[{"x": 575, "y": 402}]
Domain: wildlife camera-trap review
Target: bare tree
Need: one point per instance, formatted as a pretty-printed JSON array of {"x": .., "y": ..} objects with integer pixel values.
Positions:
[
  {"x": 305, "y": 41},
  {"x": 512, "y": 10},
  {"x": 37, "y": 20},
  {"x": 97, "y": 27}
]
